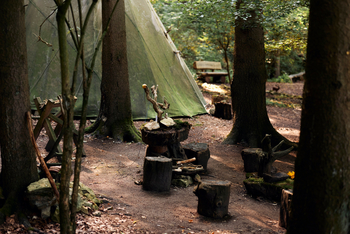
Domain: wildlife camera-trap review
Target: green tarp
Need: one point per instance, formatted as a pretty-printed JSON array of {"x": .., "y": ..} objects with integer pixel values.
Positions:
[{"x": 152, "y": 57}]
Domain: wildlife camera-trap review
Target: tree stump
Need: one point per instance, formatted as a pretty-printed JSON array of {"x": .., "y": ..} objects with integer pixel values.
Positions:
[
  {"x": 157, "y": 173},
  {"x": 170, "y": 138},
  {"x": 270, "y": 155},
  {"x": 200, "y": 151},
  {"x": 251, "y": 158},
  {"x": 213, "y": 198},
  {"x": 286, "y": 201},
  {"x": 223, "y": 110}
]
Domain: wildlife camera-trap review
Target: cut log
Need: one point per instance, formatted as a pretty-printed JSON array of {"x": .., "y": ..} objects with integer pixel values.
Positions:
[
  {"x": 157, "y": 172},
  {"x": 223, "y": 110},
  {"x": 297, "y": 77},
  {"x": 286, "y": 201},
  {"x": 213, "y": 198},
  {"x": 186, "y": 161},
  {"x": 251, "y": 158},
  {"x": 200, "y": 151}
]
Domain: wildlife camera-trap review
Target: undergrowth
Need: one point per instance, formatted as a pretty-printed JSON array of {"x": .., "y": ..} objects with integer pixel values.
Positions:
[{"x": 281, "y": 79}]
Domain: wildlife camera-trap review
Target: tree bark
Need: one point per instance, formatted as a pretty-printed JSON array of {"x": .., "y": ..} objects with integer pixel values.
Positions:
[
  {"x": 68, "y": 125},
  {"x": 18, "y": 161},
  {"x": 86, "y": 90},
  {"x": 251, "y": 122},
  {"x": 115, "y": 117},
  {"x": 321, "y": 199},
  {"x": 278, "y": 63}
]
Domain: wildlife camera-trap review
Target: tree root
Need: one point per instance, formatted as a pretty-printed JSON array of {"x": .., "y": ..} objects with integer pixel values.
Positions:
[
  {"x": 120, "y": 130},
  {"x": 236, "y": 136},
  {"x": 125, "y": 132},
  {"x": 94, "y": 126}
]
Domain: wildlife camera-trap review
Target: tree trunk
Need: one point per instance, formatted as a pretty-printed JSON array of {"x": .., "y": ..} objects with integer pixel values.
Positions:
[
  {"x": 115, "y": 117},
  {"x": 278, "y": 63},
  {"x": 251, "y": 122},
  {"x": 68, "y": 125},
  {"x": 321, "y": 199},
  {"x": 17, "y": 152}
]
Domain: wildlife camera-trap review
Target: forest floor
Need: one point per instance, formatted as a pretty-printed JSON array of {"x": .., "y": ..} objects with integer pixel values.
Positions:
[{"x": 111, "y": 170}]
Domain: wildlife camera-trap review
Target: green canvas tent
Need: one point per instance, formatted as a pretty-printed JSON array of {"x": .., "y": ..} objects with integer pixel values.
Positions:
[{"x": 152, "y": 57}]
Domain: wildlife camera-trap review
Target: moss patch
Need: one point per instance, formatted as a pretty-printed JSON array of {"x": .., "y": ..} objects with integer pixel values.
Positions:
[{"x": 256, "y": 186}]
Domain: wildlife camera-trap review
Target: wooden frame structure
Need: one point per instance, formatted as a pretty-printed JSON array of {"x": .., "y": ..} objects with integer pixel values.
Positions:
[{"x": 45, "y": 109}]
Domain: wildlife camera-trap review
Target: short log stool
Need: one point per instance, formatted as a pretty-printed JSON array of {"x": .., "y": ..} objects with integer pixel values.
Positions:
[
  {"x": 251, "y": 158},
  {"x": 200, "y": 151},
  {"x": 286, "y": 201},
  {"x": 157, "y": 172},
  {"x": 213, "y": 198},
  {"x": 223, "y": 110}
]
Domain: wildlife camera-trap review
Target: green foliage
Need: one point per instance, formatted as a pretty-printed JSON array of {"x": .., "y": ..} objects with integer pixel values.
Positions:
[
  {"x": 281, "y": 79},
  {"x": 292, "y": 62},
  {"x": 286, "y": 38},
  {"x": 272, "y": 102},
  {"x": 283, "y": 100},
  {"x": 203, "y": 30}
]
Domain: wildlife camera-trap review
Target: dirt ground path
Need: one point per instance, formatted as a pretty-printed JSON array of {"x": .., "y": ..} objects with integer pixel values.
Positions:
[{"x": 111, "y": 169}]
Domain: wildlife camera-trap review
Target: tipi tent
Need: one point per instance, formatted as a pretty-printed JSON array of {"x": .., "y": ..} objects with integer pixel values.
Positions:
[{"x": 152, "y": 59}]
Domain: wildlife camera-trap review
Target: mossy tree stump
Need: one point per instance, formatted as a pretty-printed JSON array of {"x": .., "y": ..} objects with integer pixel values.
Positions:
[
  {"x": 157, "y": 172},
  {"x": 213, "y": 198},
  {"x": 261, "y": 159}
]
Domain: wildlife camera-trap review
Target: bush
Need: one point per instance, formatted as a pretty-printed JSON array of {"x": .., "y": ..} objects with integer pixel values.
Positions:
[{"x": 281, "y": 79}]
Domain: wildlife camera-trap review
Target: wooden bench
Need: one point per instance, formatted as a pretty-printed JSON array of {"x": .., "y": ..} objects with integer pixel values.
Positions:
[{"x": 203, "y": 74}]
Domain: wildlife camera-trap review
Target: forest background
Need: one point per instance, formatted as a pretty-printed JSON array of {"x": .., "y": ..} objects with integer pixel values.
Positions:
[{"x": 206, "y": 32}]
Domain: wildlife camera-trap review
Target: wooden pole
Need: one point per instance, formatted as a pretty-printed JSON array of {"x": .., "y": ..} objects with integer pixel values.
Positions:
[{"x": 41, "y": 160}]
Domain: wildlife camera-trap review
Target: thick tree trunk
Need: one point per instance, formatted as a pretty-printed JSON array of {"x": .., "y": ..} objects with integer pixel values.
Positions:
[
  {"x": 115, "y": 117},
  {"x": 251, "y": 122},
  {"x": 321, "y": 200},
  {"x": 18, "y": 159}
]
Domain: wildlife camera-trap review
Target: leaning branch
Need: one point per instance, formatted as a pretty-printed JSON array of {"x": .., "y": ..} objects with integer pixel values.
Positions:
[{"x": 41, "y": 160}]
